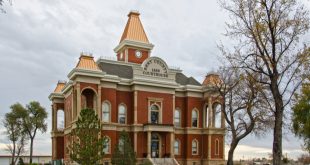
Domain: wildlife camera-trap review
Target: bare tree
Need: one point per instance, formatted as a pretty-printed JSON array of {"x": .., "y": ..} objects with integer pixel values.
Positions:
[
  {"x": 1, "y": 4},
  {"x": 245, "y": 109},
  {"x": 268, "y": 32}
]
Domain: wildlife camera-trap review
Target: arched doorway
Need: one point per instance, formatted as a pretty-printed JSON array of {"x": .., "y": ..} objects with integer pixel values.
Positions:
[
  {"x": 155, "y": 145},
  {"x": 89, "y": 99}
]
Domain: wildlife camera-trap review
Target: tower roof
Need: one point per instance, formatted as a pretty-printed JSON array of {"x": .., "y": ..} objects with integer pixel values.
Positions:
[
  {"x": 212, "y": 79},
  {"x": 87, "y": 62},
  {"x": 60, "y": 86},
  {"x": 134, "y": 29}
]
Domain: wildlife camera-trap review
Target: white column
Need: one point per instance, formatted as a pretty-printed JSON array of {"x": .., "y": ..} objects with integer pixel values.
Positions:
[
  {"x": 99, "y": 102},
  {"x": 204, "y": 116},
  {"x": 210, "y": 112},
  {"x": 135, "y": 107},
  {"x": 149, "y": 144},
  {"x": 172, "y": 138},
  {"x": 135, "y": 138},
  {"x": 54, "y": 118},
  {"x": 78, "y": 100},
  {"x": 209, "y": 146},
  {"x": 173, "y": 110},
  {"x": 223, "y": 147}
]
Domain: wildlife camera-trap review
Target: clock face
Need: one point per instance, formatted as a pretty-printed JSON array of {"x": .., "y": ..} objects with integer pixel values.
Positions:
[{"x": 138, "y": 54}]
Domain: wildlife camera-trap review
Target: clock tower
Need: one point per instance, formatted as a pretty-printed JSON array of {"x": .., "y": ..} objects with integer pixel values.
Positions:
[{"x": 134, "y": 45}]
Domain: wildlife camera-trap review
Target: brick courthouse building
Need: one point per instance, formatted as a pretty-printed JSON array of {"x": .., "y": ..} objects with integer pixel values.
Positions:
[{"x": 167, "y": 114}]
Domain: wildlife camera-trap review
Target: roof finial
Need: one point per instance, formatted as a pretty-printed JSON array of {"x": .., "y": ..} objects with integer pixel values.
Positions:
[{"x": 133, "y": 12}]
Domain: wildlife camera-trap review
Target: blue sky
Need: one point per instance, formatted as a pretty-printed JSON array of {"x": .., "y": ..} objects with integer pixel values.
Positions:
[{"x": 40, "y": 42}]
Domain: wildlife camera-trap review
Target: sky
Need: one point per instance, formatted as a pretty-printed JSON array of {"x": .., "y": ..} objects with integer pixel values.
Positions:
[{"x": 41, "y": 41}]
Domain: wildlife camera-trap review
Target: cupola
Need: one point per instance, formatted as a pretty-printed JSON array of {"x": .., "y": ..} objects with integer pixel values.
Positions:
[{"x": 134, "y": 45}]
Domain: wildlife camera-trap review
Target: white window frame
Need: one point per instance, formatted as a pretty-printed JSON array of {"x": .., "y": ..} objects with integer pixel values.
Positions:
[
  {"x": 197, "y": 112},
  {"x": 158, "y": 111},
  {"x": 217, "y": 147},
  {"x": 109, "y": 111},
  {"x": 177, "y": 141},
  {"x": 174, "y": 122},
  {"x": 197, "y": 147},
  {"x": 125, "y": 113},
  {"x": 217, "y": 116},
  {"x": 108, "y": 144}
]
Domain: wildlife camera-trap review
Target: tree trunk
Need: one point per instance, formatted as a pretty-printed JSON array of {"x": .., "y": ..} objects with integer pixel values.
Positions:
[
  {"x": 277, "y": 133},
  {"x": 31, "y": 150},
  {"x": 13, "y": 154},
  {"x": 231, "y": 151},
  {"x": 277, "y": 138}
]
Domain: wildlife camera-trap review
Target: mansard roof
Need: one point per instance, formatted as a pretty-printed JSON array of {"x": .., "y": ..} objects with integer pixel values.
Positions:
[
  {"x": 60, "y": 86},
  {"x": 126, "y": 71},
  {"x": 87, "y": 62}
]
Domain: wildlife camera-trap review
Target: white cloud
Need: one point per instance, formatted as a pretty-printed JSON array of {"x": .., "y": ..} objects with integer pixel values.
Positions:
[{"x": 40, "y": 42}]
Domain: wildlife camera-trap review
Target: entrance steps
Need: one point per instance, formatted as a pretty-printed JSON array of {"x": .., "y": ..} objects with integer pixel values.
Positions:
[{"x": 163, "y": 161}]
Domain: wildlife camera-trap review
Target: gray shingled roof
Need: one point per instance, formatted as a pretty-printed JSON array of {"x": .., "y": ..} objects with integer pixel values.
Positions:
[
  {"x": 125, "y": 71},
  {"x": 122, "y": 71},
  {"x": 183, "y": 80}
]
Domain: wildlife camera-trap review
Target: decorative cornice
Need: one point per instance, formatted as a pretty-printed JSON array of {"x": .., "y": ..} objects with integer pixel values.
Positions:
[{"x": 133, "y": 43}]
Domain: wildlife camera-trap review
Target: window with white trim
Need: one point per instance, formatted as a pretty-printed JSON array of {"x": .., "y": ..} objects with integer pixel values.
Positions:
[
  {"x": 176, "y": 147},
  {"x": 217, "y": 116},
  {"x": 217, "y": 147},
  {"x": 194, "y": 147},
  {"x": 177, "y": 117},
  {"x": 121, "y": 144},
  {"x": 154, "y": 114},
  {"x": 60, "y": 120},
  {"x": 106, "y": 112},
  {"x": 121, "y": 114},
  {"x": 106, "y": 146},
  {"x": 194, "y": 118}
]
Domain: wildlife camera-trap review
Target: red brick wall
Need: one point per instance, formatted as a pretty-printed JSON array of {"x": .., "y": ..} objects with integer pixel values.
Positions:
[
  {"x": 190, "y": 138},
  {"x": 194, "y": 102},
  {"x": 109, "y": 94},
  {"x": 180, "y": 102},
  {"x": 126, "y": 98},
  {"x": 89, "y": 85},
  {"x": 220, "y": 138},
  {"x": 183, "y": 148},
  {"x": 167, "y": 106},
  {"x": 60, "y": 147},
  {"x": 113, "y": 137},
  {"x": 132, "y": 57},
  {"x": 142, "y": 144}
]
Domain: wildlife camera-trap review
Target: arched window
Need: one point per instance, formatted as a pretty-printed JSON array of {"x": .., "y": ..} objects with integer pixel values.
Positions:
[
  {"x": 106, "y": 147},
  {"x": 106, "y": 112},
  {"x": 194, "y": 118},
  {"x": 121, "y": 114},
  {"x": 176, "y": 147},
  {"x": 121, "y": 144},
  {"x": 217, "y": 147},
  {"x": 60, "y": 120},
  {"x": 154, "y": 113},
  {"x": 194, "y": 147},
  {"x": 217, "y": 116},
  {"x": 177, "y": 117}
]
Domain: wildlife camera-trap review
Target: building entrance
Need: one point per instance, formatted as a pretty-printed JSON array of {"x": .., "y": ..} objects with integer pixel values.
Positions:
[{"x": 155, "y": 146}]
